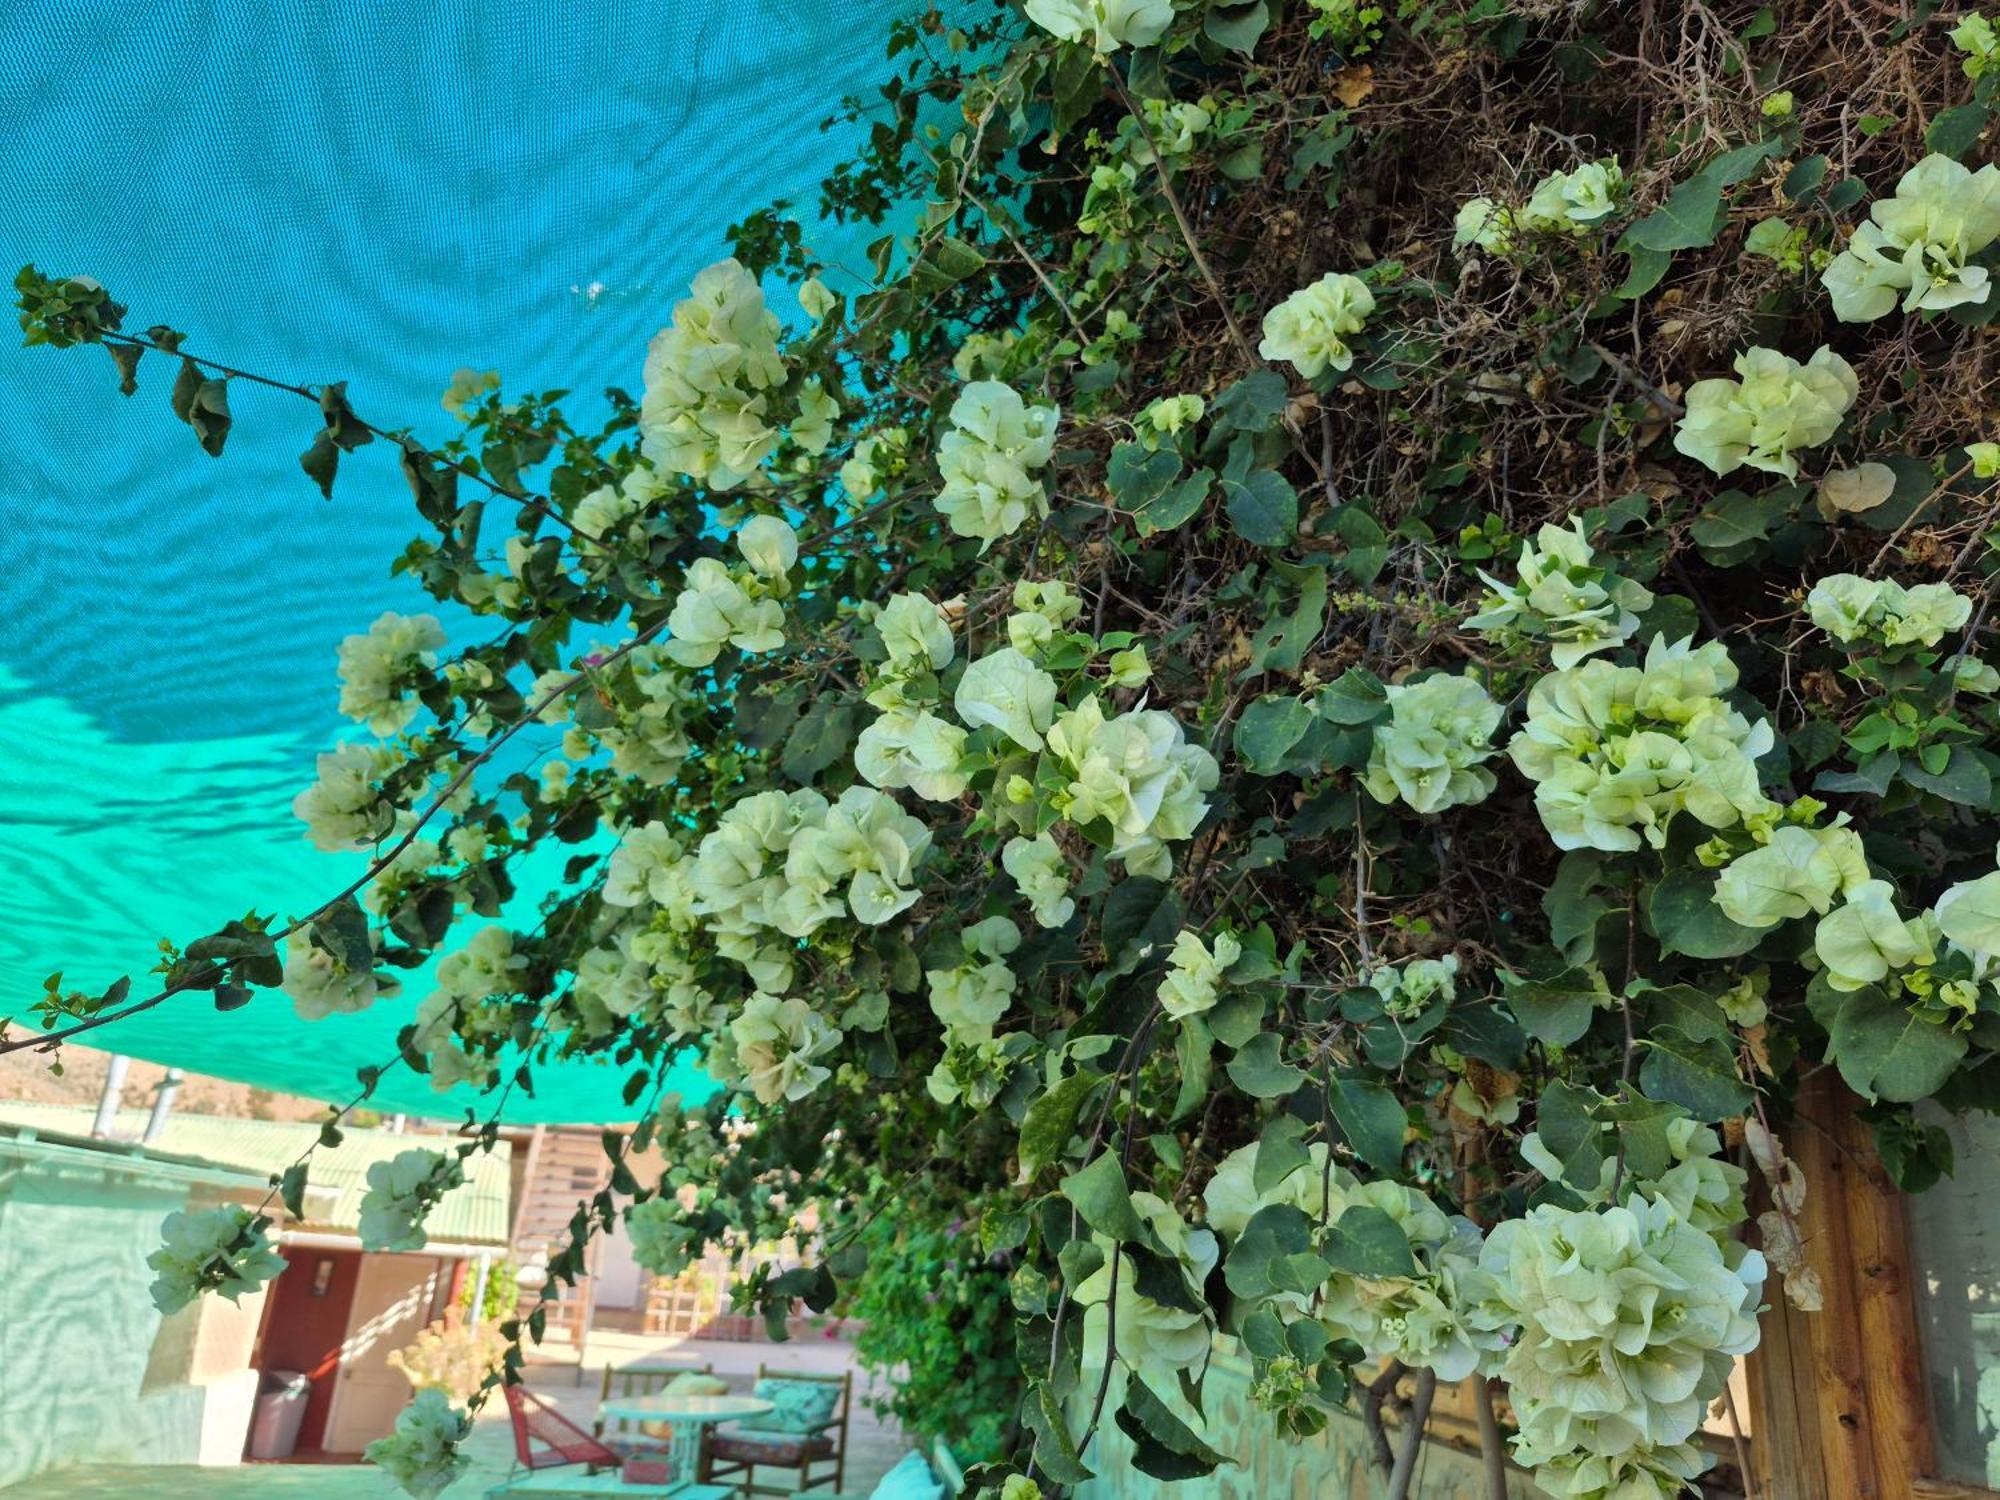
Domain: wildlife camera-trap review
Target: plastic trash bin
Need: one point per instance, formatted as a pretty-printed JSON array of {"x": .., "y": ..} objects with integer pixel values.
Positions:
[{"x": 281, "y": 1406}]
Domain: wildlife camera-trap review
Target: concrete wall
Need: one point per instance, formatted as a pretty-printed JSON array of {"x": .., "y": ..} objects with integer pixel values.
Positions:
[{"x": 89, "y": 1370}]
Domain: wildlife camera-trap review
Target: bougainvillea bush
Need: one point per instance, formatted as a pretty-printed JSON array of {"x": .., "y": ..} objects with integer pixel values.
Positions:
[{"x": 1300, "y": 711}]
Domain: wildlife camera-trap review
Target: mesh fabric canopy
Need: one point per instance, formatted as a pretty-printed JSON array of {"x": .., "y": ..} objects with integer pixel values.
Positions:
[{"x": 377, "y": 193}]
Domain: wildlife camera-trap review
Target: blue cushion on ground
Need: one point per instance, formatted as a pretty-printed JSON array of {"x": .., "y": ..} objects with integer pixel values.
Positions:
[{"x": 911, "y": 1479}]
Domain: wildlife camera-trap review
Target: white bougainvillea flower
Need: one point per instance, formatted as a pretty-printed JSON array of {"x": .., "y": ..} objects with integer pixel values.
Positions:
[
  {"x": 1194, "y": 972},
  {"x": 1919, "y": 244},
  {"x": 708, "y": 380},
  {"x": 376, "y": 670},
  {"x": 1486, "y": 224},
  {"x": 1408, "y": 989},
  {"x": 917, "y": 750},
  {"x": 1799, "y": 872},
  {"x": 220, "y": 1250},
  {"x": 484, "y": 967},
  {"x": 1867, "y": 940},
  {"x": 776, "y": 1042},
  {"x": 988, "y": 460},
  {"x": 812, "y": 428},
  {"x": 422, "y": 1453},
  {"x": 1038, "y": 868},
  {"x": 877, "y": 457},
  {"x": 914, "y": 631},
  {"x": 1429, "y": 752},
  {"x": 1103, "y": 25},
  {"x": 320, "y": 983},
  {"x": 1154, "y": 1340},
  {"x": 1008, "y": 691},
  {"x": 769, "y": 545},
  {"x": 713, "y": 610},
  {"x": 345, "y": 809},
  {"x": 1562, "y": 594},
  {"x": 1774, "y": 408},
  {"x": 400, "y": 1193},
  {"x": 1851, "y": 608},
  {"x": 1572, "y": 202},
  {"x": 1311, "y": 327},
  {"x": 971, "y": 998},
  {"x": 1138, "y": 774}
]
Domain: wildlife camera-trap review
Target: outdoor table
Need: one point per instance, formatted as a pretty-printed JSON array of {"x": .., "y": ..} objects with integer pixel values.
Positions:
[{"x": 685, "y": 1417}]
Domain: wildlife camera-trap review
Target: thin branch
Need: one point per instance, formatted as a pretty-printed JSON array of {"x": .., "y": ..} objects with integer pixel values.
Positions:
[
  {"x": 1373, "y": 1395},
  {"x": 1413, "y": 1437},
  {"x": 1492, "y": 1452}
]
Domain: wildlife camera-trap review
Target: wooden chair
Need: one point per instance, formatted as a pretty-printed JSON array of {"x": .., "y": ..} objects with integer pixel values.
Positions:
[
  {"x": 819, "y": 1456},
  {"x": 643, "y": 1377}
]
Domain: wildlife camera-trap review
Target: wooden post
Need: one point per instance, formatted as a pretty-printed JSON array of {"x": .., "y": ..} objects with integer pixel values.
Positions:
[{"x": 1839, "y": 1395}]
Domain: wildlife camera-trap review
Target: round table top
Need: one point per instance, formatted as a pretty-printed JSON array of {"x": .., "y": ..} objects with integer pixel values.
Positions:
[{"x": 692, "y": 1409}]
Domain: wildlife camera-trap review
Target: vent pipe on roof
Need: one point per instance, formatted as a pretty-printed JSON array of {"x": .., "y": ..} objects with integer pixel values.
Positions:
[
  {"x": 107, "y": 1102},
  {"x": 163, "y": 1105}
]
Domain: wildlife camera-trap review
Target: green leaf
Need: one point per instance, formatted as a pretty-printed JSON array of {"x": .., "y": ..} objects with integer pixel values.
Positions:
[
  {"x": 1356, "y": 696},
  {"x": 1174, "y": 505},
  {"x": 1964, "y": 777},
  {"x": 1281, "y": 645},
  {"x": 1567, "y": 1122},
  {"x": 1253, "y": 404},
  {"x": 1372, "y": 1121},
  {"x": 1260, "y": 1072},
  {"x": 126, "y": 358},
  {"x": 1648, "y": 269},
  {"x": 1263, "y": 1259},
  {"x": 1805, "y": 177},
  {"x": 1957, "y": 130},
  {"x": 1886, "y": 1051},
  {"x": 1237, "y": 26},
  {"x": 292, "y": 1189},
  {"x": 1043, "y": 1415},
  {"x": 1267, "y": 730},
  {"x": 1686, "y": 919},
  {"x": 1163, "y": 1446},
  {"x": 1280, "y": 1152},
  {"x": 1100, "y": 1195},
  {"x": 823, "y": 737},
  {"x": 1700, "y": 1076},
  {"x": 321, "y": 461},
  {"x": 1262, "y": 506},
  {"x": 1141, "y": 916},
  {"x": 1138, "y": 477},
  {"x": 1051, "y": 1121},
  {"x": 1194, "y": 1050},
  {"x": 1692, "y": 213},
  {"x": 1555, "y": 1008},
  {"x": 1365, "y": 1241}
]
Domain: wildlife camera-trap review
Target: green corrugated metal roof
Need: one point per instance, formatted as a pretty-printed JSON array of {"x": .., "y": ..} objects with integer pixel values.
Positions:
[{"x": 477, "y": 1213}]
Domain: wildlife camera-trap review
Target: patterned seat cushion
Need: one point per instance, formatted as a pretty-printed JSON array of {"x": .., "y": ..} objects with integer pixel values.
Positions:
[
  {"x": 797, "y": 1406},
  {"x": 786, "y": 1450}
]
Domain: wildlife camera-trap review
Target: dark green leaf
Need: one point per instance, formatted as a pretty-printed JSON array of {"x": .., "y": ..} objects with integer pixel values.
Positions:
[
  {"x": 1267, "y": 730},
  {"x": 1372, "y": 1121},
  {"x": 1700, "y": 1076},
  {"x": 1260, "y": 1072},
  {"x": 1262, "y": 506},
  {"x": 1365, "y": 1241},
  {"x": 1101, "y": 1197}
]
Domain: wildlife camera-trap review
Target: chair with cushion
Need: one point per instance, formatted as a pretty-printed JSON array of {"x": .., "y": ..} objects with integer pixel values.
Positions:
[
  {"x": 932, "y": 1476},
  {"x": 805, "y": 1431},
  {"x": 649, "y": 1377}
]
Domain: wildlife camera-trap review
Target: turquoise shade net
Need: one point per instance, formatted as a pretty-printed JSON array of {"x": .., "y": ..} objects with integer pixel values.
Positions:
[{"x": 370, "y": 192}]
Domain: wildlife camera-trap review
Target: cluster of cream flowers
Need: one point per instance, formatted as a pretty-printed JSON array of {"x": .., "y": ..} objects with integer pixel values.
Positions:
[
  {"x": 1039, "y": 870},
  {"x": 1428, "y": 752},
  {"x": 778, "y": 864},
  {"x": 1195, "y": 972},
  {"x": 320, "y": 983},
  {"x": 1408, "y": 989},
  {"x": 709, "y": 379},
  {"x": 1572, "y": 202},
  {"x": 1851, "y": 608},
  {"x": 1615, "y": 752},
  {"x": 344, "y": 807},
  {"x": 1619, "y": 1324},
  {"x": 222, "y": 1250},
  {"x": 1418, "y": 1319},
  {"x": 1775, "y": 407},
  {"x": 484, "y": 969},
  {"x": 971, "y": 998},
  {"x": 614, "y": 513},
  {"x": 1155, "y": 1340},
  {"x": 1105, "y": 25},
  {"x": 1920, "y": 244},
  {"x": 376, "y": 669},
  {"x": 717, "y": 608},
  {"x": 909, "y": 745},
  {"x": 1562, "y": 595},
  {"x": 1311, "y": 328},
  {"x": 877, "y": 458},
  {"x": 662, "y": 1240},
  {"x": 989, "y": 458},
  {"x": 1137, "y": 774},
  {"x": 401, "y": 1192},
  {"x": 422, "y": 1453},
  {"x": 776, "y": 1042}
]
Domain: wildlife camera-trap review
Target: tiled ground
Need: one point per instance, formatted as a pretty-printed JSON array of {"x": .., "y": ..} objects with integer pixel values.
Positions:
[{"x": 872, "y": 1446}]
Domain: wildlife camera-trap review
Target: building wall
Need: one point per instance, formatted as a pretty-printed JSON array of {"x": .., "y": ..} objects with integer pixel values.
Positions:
[
  {"x": 304, "y": 1331},
  {"x": 1267, "y": 1466},
  {"x": 89, "y": 1370}
]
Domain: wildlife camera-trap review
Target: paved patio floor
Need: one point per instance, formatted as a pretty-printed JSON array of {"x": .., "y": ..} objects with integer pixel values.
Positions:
[{"x": 873, "y": 1447}]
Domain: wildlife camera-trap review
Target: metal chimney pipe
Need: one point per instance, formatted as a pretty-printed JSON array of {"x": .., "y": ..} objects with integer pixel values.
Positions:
[
  {"x": 107, "y": 1102},
  {"x": 163, "y": 1105}
]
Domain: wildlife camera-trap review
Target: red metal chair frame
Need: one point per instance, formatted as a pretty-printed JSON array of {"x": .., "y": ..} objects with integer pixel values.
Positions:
[{"x": 567, "y": 1443}]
